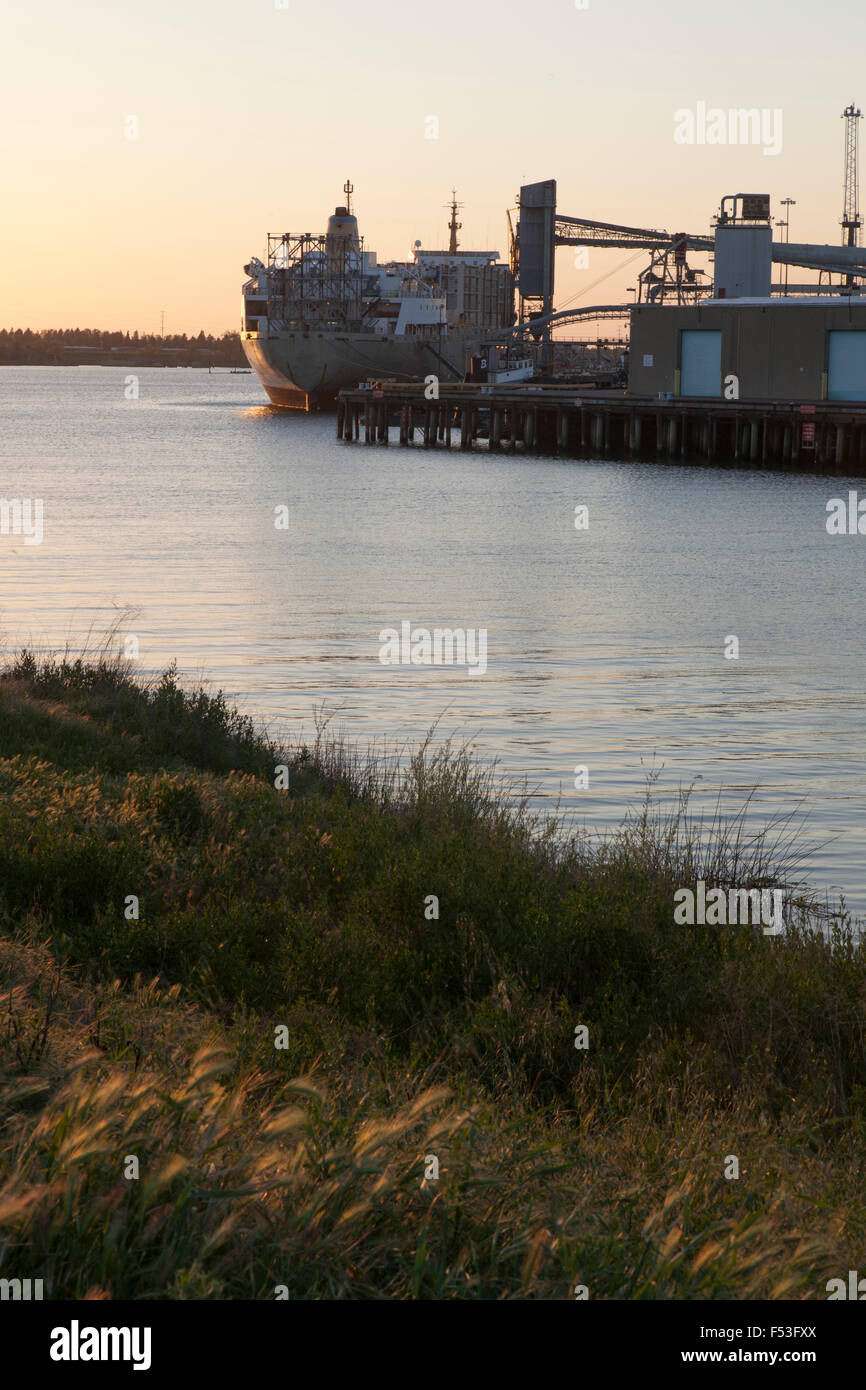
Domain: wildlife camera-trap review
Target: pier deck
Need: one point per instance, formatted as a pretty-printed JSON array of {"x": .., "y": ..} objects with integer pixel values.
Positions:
[{"x": 825, "y": 436}]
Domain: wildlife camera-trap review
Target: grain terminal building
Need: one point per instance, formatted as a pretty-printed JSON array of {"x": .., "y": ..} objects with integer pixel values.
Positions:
[
  {"x": 781, "y": 349},
  {"x": 729, "y": 371},
  {"x": 744, "y": 344}
]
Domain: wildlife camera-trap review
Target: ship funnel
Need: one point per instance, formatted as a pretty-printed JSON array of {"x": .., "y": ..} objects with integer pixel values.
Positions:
[{"x": 342, "y": 235}]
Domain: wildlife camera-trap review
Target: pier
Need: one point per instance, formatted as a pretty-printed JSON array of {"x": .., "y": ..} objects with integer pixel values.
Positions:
[{"x": 825, "y": 436}]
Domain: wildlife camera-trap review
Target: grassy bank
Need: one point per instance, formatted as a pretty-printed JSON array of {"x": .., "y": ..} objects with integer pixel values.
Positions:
[{"x": 168, "y": 914}]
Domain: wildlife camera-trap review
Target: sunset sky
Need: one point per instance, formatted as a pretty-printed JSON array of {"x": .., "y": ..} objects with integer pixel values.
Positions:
[{"x": 251, "y": 117}]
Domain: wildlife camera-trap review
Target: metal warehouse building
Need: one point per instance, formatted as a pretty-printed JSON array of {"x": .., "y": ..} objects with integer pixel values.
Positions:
[
  {"x": 744, "y": 343},
  {"x": 796, "y": 349}
]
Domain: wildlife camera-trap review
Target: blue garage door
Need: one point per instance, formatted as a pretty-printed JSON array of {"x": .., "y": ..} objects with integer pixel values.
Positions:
[
  {"x": 846, "y": 370},
  {"x": 701, "y": 364}
]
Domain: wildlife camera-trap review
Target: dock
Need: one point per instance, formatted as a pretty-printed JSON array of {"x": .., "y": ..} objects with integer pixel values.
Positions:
[{"x": 824, "y": 436}]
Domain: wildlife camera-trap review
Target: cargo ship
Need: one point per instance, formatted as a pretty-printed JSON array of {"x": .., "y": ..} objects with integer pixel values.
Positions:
[{"x": 323, "y": 314}]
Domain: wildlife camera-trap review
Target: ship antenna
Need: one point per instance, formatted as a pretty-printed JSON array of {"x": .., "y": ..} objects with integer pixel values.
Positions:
[
  {"x": 454, "y": 226},
  {"x": 348, "y": 189}
]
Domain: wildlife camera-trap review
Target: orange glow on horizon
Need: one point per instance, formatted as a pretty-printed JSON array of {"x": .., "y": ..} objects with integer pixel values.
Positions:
[{"x": 147, "y": 153}]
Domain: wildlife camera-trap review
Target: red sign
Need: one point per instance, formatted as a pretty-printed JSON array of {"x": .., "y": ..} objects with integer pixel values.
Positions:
[
  {"x": 807, "y": 410},
  {"x": 809, "y": 436}
]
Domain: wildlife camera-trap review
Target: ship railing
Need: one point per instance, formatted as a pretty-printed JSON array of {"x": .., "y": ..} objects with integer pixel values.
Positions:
[{"x": 313, "y": 324}]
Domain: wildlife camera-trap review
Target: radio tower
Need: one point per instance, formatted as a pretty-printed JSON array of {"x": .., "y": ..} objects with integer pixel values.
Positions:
[
  {"x": 851, "y": 220},
  {"x": 454, "y": 226}
]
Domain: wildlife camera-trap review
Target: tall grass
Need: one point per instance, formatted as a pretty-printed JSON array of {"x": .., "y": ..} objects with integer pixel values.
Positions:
[{"x": 306, "y": 914}]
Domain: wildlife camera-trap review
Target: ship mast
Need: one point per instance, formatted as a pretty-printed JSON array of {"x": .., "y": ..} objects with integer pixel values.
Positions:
[
  {"x": 348, "y": 189},
  {"x": 454, "y": 226}
]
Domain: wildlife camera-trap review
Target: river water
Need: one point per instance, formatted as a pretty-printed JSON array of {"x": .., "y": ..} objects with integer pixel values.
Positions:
[{"x": 605, "y": 646}]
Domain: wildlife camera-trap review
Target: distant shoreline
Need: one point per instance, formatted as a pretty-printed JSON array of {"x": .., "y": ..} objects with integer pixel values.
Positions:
[
  {"x": 137, "y": 362},
  {"x": 97, "y": 347}
]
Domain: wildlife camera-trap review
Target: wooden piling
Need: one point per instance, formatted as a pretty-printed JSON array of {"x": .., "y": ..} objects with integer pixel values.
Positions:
[{"x": 551, "y": 420}]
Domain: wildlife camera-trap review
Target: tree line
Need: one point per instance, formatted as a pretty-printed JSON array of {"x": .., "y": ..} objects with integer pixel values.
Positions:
[{"x": 47, "y": 346}]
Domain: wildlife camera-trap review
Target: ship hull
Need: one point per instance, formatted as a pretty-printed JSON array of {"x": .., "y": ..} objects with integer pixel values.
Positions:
[{"x": 305, "y": 371}]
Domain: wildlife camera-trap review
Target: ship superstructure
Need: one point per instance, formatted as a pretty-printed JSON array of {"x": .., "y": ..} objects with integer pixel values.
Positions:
[{"x": 323, "y": 314}]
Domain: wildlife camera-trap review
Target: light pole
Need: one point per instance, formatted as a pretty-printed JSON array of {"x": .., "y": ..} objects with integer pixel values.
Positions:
[
  {"x": 780, "y": 222},
  {"x": 788, "y": 203}
]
